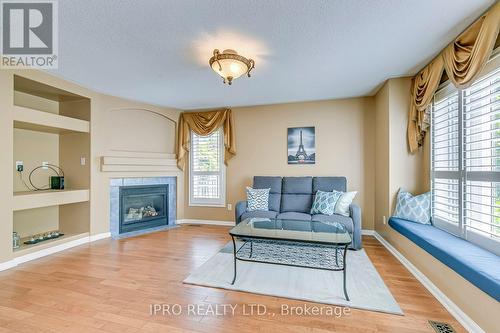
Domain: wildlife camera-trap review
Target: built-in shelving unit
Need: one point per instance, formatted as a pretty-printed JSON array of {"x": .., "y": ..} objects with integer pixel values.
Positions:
[
  {"x": 25, "y": 249},
  {"x": 38, "y": 199},
  {"x": 31, "y": 119},
  {"x": 138, "y": 163},
  {"x": 50, "y": 125}
]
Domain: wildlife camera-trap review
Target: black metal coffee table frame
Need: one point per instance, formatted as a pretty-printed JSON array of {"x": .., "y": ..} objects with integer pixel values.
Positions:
[{"x": 337, "y": 247}]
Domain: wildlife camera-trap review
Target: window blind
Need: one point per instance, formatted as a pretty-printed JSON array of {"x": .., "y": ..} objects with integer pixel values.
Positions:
[
  {"x": 446, "y": 156},
  {"x": 206, "y": 169},
  {"x": 482, "y": 155},
  {"x": 465, "y": 160}
]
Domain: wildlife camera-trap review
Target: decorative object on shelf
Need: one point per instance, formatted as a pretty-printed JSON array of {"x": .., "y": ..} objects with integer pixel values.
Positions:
[
  {"x": 35, "y": 239},
  {"x": 56, "y": 182},
  {"x": 301, "y": 145},
  {"x": 230, "y": 65},
  {"x": 16, "y": 240}
]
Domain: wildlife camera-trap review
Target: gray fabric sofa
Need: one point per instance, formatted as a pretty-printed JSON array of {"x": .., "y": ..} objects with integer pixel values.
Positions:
[{"x": 292, "y": 198}]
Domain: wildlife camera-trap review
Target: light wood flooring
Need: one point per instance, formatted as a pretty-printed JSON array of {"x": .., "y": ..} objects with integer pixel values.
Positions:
[{"x": 108, "y": 286}]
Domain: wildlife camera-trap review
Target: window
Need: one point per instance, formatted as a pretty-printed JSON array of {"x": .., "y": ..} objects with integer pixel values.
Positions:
[
  {"x": 207, "y": 170},
  {"x": 465, "y": 161}
]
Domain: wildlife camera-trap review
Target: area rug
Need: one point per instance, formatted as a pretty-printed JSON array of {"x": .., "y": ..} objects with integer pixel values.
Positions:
[{"x": 365, "y": 287}]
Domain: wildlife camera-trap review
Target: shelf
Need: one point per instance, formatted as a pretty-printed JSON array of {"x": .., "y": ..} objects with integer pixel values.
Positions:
[
  {"x": 37, "y": 199},
  {"x": 31, "y": 119},
  {"x": 138, "y": 164},
  {"x": 25, "y": 249}
]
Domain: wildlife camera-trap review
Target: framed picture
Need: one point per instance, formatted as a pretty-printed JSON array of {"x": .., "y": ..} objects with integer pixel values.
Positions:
[{"x": 301, "y": 145}]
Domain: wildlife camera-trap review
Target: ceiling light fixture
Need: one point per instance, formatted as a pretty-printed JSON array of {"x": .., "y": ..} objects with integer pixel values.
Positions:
[{"x": 230, "y": 65}]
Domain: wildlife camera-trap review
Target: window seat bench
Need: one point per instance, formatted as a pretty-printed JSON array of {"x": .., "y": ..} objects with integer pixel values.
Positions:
[{"x": 480, "y": 267}]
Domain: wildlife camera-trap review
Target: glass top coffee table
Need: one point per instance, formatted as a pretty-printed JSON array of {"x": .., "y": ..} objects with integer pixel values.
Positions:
[{"x": 308, "y": 244}]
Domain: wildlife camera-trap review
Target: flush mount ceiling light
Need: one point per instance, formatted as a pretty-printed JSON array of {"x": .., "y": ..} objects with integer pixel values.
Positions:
[{"x": 230, "y": 65}]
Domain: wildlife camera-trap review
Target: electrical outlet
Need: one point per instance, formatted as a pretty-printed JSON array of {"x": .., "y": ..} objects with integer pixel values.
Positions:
[
  {"x": 19, "y": 166},
  {"x": 384, "y": 219},
  {"x": 82, "y": 161},
  {"x": 229, "y": 207},
  {"x": 45, "y": 165}
]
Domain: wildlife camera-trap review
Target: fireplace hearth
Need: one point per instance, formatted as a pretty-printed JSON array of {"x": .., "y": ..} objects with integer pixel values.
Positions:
[
  {"x": 140, "y": 205},
  {"x": 143, "y": 207}
]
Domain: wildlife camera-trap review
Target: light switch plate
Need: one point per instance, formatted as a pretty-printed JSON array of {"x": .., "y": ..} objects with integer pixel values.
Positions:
[
  {"x": 82, "y": 161},
  {"x": 45, "y": 165},
  {"x": 229, "y": 206}
]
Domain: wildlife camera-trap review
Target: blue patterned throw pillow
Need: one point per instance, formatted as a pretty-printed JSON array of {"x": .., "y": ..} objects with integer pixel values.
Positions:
[
  {"x": 324, "y": 202},
  {"x": 414, "y": 208},
  {"x": 257, "y": 199}
]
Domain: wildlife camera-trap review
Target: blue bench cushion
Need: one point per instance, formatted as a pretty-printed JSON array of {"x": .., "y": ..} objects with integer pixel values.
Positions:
[{"x": 478, "y": 266}]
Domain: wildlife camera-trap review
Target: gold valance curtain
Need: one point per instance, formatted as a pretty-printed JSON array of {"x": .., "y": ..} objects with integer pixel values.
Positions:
[
  {"x": 204, "y": 123},
  {"x": 463, "y": 60},
  {"x": 423, "y": 87}
]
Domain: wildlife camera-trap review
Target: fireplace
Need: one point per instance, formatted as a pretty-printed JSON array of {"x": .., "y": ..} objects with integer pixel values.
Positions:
[
  {"x": 143, "y": 207},
  {"x": 140, "y": 205}
]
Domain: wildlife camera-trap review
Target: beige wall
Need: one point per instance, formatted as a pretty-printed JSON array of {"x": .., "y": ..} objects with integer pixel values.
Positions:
[
  {"x": 382, "y": 148},
  {"x": 344, "y": 147},
  {"x": 160, "y": 134},
  {"x": 6, "y": 165},
  {"x": 396, "y": 168}
]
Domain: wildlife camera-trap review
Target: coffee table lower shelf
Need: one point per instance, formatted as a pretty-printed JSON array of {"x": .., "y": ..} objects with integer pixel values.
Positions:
[{"x": 292, "y": 253}]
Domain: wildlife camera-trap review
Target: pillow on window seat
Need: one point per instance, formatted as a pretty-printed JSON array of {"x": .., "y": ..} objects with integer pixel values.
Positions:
[
  {"x": 413, "y": 208},
  {"x": 257, "y": 199}
]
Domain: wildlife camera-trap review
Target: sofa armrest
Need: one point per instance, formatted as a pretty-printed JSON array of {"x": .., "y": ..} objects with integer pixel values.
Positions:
[
  {"x": 240, "y": 208},
  {"x": 355, "y": 213}
]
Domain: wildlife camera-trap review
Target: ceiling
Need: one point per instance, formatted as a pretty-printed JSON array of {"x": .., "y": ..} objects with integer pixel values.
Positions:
[{"x": 157, "y": 51}]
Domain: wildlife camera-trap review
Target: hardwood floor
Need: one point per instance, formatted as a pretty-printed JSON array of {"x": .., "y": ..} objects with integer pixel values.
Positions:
[{"x": 108, "y": 286}]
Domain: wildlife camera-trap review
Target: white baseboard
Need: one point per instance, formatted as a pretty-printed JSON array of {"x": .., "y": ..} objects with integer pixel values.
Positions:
[
  {"x": 54, "y": 249},
  {"x": 209, "y": 222},
  {"x": 7, "y": 265},
  {"x": 467, "y": 322},
  {"x": 97, "y": 237},
  {"x": 368, "y": 232}
]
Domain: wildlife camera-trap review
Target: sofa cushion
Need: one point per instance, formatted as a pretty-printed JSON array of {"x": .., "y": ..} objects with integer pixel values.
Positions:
[
  {"x": 297, "y": 194},
  {"x": 274, "y": 183},
  {"x": 324, "y": 202},
  {"x": 345, "y": 220},
  {"x": 328, "y": 184},
  {"x": 478, "y": 266},
  {"x": 259, "y": 213},
  {"x": 295, "y": 216}
]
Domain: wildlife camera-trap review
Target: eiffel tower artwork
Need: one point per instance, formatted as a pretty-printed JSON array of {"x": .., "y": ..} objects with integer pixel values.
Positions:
[
  {"x": 301, "y": 152},
  {"x": 301, "y": 145}
]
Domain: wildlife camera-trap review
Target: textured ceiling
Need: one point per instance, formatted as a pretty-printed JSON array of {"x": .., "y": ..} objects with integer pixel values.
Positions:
[{"x": 157, "y": 51}]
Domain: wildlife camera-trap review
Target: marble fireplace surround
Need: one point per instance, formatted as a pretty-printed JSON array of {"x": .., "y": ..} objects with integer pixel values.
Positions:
[{"x": 114, "y": 187}]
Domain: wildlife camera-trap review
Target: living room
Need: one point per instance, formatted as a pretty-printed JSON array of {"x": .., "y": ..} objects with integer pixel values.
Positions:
[{"x": 211, "y": 166}]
